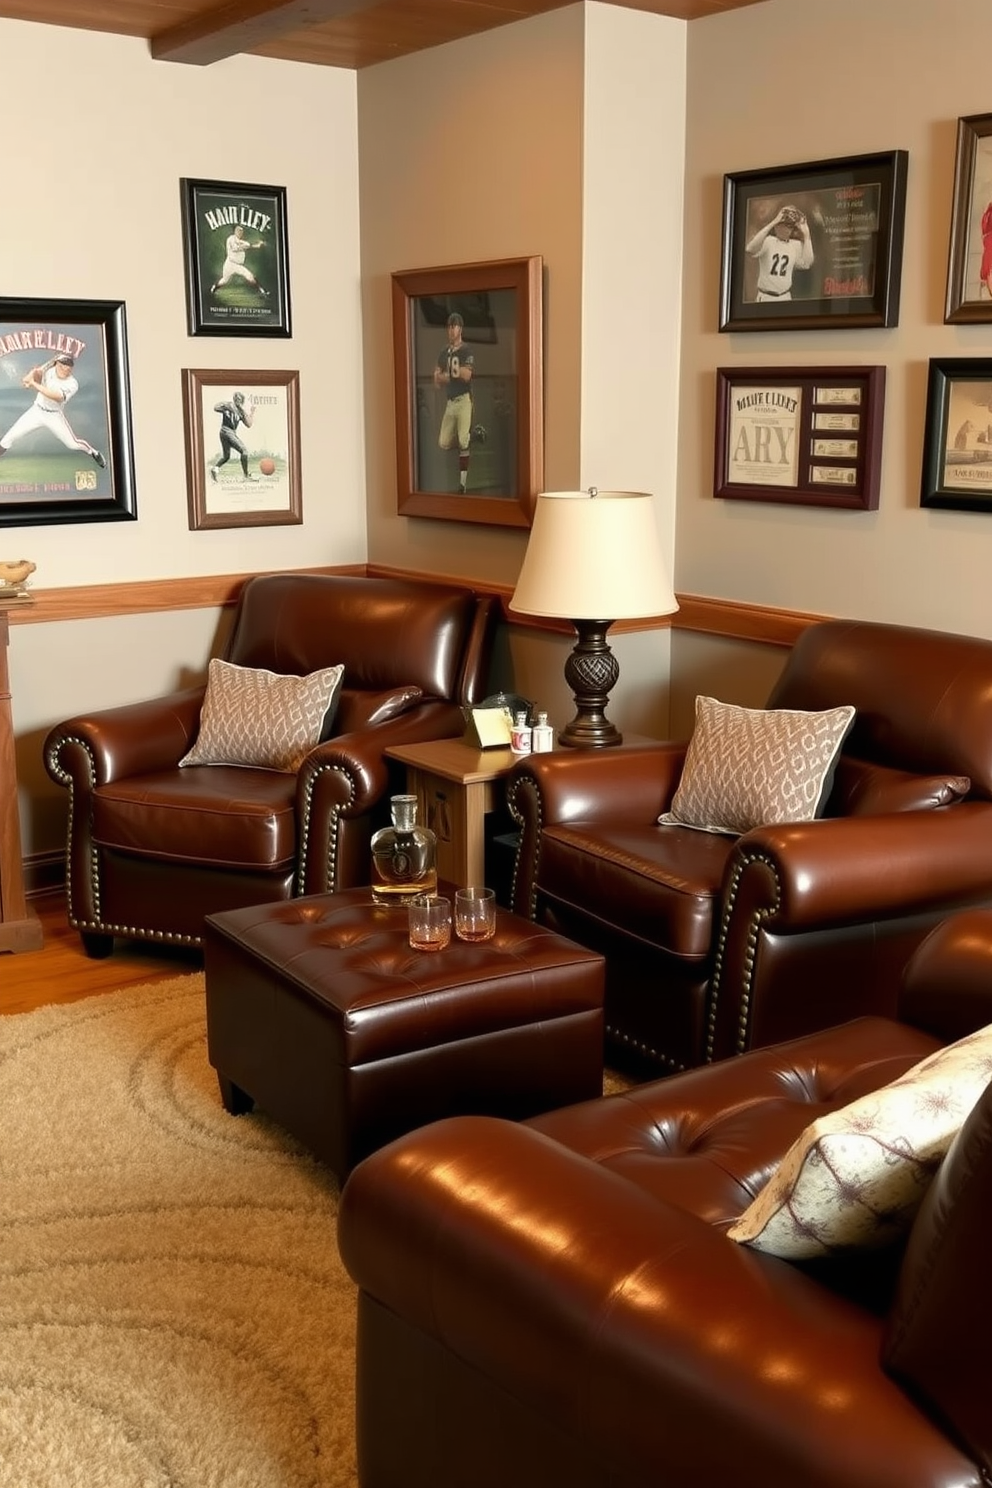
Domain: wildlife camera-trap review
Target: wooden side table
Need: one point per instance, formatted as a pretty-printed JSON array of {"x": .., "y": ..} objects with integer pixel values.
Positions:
[
  {"x": 455, "y": 786},
  {"x": 19, "y": 931}
]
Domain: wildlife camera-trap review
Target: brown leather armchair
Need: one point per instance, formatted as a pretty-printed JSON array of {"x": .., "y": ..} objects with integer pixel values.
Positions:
[
  {"x": 556, "y": 1302},
  {"x": 152, "y": 848},
  {"x": 717, "y": 944}
]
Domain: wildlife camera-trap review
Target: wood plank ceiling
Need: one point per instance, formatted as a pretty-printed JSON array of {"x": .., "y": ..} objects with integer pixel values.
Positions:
[{"x": 328, "y": 33}]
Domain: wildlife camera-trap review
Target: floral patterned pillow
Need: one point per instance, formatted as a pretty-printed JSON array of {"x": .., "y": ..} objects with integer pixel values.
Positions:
[{"x": 857, "y": 1176}]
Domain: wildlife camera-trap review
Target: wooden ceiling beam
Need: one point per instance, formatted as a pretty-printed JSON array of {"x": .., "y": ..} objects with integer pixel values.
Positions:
[{"x": 242, "y": 25}]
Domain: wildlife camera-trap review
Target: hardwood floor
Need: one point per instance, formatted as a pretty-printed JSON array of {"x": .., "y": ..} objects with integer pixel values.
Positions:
[{"x": 62, "y": 972}]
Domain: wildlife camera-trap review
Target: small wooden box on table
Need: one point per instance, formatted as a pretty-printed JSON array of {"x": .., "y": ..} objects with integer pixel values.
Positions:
[{"x": 320, "y": 1013}]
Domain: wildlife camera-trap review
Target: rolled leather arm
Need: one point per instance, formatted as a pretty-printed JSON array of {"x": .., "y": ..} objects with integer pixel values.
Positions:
[
  {"x": 947, "y": 989},
  {"x": 633, "y": 1326},
  {"x": 850, "y": 870},
  {"x": 632, "y": 785},
  {"x": 341, "y": 781},
  {"x": 115, "y": 743}
]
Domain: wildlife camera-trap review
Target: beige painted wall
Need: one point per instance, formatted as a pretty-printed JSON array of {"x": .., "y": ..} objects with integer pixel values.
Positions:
[
  {"x": 98, "y": 217},
  {"x": 780, "y": 83},
  {"x": 564, "y": 136}
]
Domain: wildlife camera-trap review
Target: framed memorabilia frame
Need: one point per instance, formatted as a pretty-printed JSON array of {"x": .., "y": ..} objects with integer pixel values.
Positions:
[
  {"x": 815, "y": 246},
  {"x": 808, "y": 436},
  {"x": 242, "y": 448},
  {"x": 969, "y": 259},
  {"x": 236, "y": 250},
  {"x": 477, "y": 456},
  {"x": 957, "y": 442},
  {"x": 66, "y": 451}
]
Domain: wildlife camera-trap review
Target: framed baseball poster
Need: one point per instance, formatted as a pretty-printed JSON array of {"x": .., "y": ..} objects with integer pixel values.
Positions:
[
  {"x": 815, "y": 246},
  {"x": 957, "y": 445},
  {"x": 65, "y": 415},
  {"x": 237, "y": 259},
  {"x": 469, "y": 407},
  {"x": 809, "y": 436},
  {"x": 242, "y": 448}
]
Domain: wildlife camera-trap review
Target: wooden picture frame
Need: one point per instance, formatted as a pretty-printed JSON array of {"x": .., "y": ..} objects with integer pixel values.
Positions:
[
  {"x": 839, "y": 224},
  {"x": 236, "y": 251},
  {"x": 242, "y": 448},
  {"x": 67, "y": 457},
  {"x": 969, "y": 259},
  {"x": 807, "y": 436},
  {"x": 957, "y": 442},
  {"x": 499, "y": 346}
]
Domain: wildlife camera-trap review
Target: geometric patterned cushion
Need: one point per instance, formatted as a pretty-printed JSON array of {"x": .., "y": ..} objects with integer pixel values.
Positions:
[
  {"x": 748, "y": 767},
  {"x": 254, "y": 717},
  {"x": 857, "y": 1176}
]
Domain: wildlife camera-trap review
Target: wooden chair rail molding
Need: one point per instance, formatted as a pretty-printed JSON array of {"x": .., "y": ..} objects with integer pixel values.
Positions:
[{"x": 723, "y": 617}]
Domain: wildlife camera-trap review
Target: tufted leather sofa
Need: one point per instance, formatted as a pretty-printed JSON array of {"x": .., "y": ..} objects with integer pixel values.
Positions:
[
  {"x": 715, "y": 945},
  {"x": 153, "y": 848},
  {"x": 556, "y": 1302}
]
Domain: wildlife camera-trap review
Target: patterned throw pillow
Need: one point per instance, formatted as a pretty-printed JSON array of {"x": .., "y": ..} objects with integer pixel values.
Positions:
[
  {"x": 747, "y": 767},
  {"x": 254, "y": 717},
  {"x": 857, "y": 1176}
]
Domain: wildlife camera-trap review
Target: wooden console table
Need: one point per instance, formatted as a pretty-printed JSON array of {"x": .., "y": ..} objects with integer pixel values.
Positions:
[{"x": 19, "y": 931}]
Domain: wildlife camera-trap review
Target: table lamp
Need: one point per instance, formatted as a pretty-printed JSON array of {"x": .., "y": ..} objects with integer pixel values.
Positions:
[{"x": 590, "y": 554}]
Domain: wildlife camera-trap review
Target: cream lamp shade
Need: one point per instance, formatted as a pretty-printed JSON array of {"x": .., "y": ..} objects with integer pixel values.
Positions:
[{"x": 593, "y": 557}]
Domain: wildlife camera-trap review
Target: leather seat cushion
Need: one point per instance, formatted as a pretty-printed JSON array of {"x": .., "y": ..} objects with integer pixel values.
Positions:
[
  {"x": 221, "y": 815},
  {"x": 659, "y": 883},
  {"x": 708, "y": 1140}
]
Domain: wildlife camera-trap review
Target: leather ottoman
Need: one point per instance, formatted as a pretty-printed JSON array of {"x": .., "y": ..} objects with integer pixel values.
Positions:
[{"x": 320, "y": 1013}]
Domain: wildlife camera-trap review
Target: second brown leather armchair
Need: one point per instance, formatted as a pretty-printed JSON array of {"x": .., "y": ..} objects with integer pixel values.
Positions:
[
  {"x": 716, "y": 944},
  {"x": 153, "y": 847}
]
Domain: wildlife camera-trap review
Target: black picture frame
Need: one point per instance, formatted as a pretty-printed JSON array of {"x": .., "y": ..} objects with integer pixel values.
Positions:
[
  {"x": 849, "y": 218},
  {"x": 806, "y": 436},
  {"x": 969, "y": 257},
  {"x": 957, "y": 441},
  {"x": 85, "y": 473},
  {"x": 225, "y": 297},
  {"x": 499, "y": 304}
]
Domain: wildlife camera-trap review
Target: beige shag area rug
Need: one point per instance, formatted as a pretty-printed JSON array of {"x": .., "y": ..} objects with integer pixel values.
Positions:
[{"x": 173, "y": 1312}]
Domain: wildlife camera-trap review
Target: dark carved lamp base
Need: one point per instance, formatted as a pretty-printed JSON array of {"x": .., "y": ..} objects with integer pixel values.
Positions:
[{"x": 591, "y": 671}]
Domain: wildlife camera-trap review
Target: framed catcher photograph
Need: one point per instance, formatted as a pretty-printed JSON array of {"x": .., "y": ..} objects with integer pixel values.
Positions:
[
  {"x": 969, "y": 261},
  {"x": 957, "y": 444},
  {"x": 815, "y": 246},
  {"x": 66, "y": 451},
  {"x": 237, "y": 259},
  {"x": 809, "y": 436},
  {"x": 467, "y": 357},
  {"x": 242, "y": 448}
]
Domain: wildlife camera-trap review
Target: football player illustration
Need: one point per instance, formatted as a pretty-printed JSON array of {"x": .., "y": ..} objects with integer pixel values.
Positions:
[
  {"x": 781, "y": 247},
  {"x": 455, "y": 366},
  {"x": 231, "y": 415},
  {"x": 53, "y": 385}
]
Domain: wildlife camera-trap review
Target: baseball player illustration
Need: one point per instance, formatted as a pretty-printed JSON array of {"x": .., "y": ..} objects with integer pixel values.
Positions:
[
  {"x": 781, "y": 247},
  {"x": 231, "y": 415},
  {"x": 455, "y": 366},
  {"x": 53, "y": 385},
  {"x": 236, "y": 249}
]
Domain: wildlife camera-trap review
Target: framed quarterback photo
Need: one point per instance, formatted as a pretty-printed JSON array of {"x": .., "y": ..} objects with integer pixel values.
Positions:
[
  {"x": 237, "y": 259},
  {"x": 469, "y": 407},
  {"x": 815, "y": 246},
  {"x": 65, "y": 414},
  {"x": 242, "y": 448}
]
